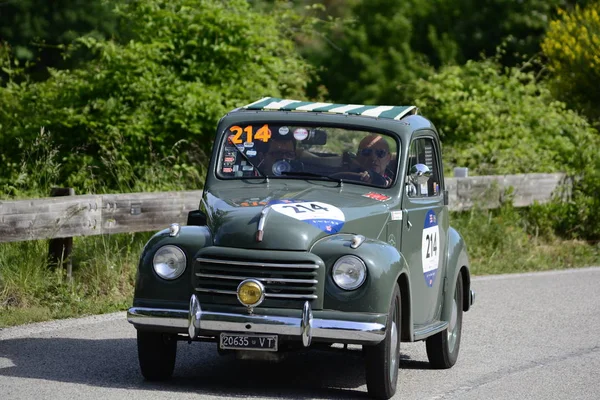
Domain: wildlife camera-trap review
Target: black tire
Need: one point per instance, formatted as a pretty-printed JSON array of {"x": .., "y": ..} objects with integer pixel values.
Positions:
[
  {"x": 443, "y": 347},
  {"x": 382, "y": 360},
  {"x": 156, "y": 353}
]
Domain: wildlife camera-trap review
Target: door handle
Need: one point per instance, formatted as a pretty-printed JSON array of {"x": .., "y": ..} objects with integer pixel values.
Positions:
[{"x": 408, "y": 224}]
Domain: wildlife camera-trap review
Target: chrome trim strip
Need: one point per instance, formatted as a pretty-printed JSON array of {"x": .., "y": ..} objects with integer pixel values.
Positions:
[
  {"x": 174, "y": 230},
  {"x": 168, "y": 318},
  {"x": 424, "y": 332},
  {"x": 272, "y": 295},
  {"x": 261, "y": 223},
  {"x": 357, "y": 240},
  {"x": 292, "y": 296},
  {"x": 194, "y": 317},
  {"x": 219, "y": 291},
  {"x": 267, "y": 280},
  {"x": 255, "y": 264},
  {"x": 306, "y": 324},
  {"x": 211, "y": 323}
]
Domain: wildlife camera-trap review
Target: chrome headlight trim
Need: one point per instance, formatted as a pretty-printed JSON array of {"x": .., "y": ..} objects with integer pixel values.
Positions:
[
  {"x": 169, "y": 262},
  {"x": 349, "y": 272}
]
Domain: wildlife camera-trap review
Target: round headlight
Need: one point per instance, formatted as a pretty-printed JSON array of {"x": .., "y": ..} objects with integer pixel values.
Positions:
[
  {"x": 169, "y": 262},
  {"x": 349, "y": 272}
]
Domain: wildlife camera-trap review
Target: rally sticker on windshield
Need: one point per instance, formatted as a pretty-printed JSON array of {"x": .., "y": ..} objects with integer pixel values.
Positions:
[
  {"x": 429, "y": 247},
  {"x": 326, "y": 217}
]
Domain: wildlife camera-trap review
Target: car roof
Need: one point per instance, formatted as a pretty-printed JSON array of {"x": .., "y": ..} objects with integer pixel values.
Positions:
[{"x": 278, "y": 104}]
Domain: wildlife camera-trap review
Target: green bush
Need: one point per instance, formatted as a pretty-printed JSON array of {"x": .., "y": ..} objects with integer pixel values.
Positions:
[
  {"x": 572, "y": 47},
  {"x": 497, "y": 120},
  {"x": 189, "y": 62}
]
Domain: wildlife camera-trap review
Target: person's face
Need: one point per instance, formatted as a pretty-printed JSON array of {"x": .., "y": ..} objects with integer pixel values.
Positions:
[
  {"x": 278, "y": 150},
  {"x": 374, "y": 155}
]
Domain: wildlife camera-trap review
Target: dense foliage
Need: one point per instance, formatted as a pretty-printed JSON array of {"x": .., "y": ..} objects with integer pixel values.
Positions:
[
  {"x": 188, "y": 63},
  {"x": 572, "y": 46},
  {"x": 39, "y": 30},
  {"x": 500, "y": 121}
]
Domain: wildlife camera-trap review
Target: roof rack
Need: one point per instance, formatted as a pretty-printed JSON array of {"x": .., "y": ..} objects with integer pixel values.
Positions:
[{"x": 277, "y": 104}]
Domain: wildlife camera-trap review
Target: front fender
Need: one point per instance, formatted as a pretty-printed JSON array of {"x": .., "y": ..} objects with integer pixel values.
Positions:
[
  {"x": 384, "y": 266},
  {"x": 150, "y": 289},
  {"x": 458, "y": 262}
]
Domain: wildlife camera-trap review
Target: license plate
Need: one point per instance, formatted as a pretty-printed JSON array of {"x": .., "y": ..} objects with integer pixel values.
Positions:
[{"x": 237, "y": 341}]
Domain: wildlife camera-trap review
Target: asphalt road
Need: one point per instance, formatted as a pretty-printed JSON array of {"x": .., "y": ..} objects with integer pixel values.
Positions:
[{"x": 529, "y": 336}]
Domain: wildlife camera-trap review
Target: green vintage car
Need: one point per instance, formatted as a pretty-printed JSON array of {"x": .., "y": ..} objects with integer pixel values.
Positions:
[{"x": 319, "y": 223}]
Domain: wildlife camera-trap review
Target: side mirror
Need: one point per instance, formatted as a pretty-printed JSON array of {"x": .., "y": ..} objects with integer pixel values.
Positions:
[
  {"x": 196, "y": 218},
  {"x": 419, "y": 174}
]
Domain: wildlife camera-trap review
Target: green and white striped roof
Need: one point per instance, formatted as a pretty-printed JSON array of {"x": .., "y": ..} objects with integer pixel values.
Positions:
[{"x": 274, "y": 103}]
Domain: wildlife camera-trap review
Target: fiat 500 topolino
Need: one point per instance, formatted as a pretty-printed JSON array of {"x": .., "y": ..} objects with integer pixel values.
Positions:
[{"x": 318, "y": 224}]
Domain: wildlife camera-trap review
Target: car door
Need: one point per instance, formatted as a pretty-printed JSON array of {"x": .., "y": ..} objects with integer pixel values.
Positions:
[{"x": 425, "y": 228}]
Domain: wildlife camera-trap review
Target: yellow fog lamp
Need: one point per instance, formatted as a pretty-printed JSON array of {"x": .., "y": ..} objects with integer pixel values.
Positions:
[{"x": 250, "y": 292}]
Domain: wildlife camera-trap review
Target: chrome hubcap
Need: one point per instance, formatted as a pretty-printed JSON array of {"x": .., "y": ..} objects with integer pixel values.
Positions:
[
  {"x": 452, "y": 325},
  {"x": 393, "y": 350}
]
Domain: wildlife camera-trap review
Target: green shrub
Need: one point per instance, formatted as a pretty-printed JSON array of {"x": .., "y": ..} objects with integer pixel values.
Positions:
[
  {"x": 189, "y": 62},
  {"x": 572, "y": 47},
  {"x": 503, "y": 121}
]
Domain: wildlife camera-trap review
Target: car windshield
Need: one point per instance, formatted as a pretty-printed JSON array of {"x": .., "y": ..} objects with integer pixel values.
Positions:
[{"x": 274, "y": 150}]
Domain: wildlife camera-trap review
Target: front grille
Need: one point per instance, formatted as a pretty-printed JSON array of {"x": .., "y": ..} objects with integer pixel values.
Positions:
[{"x": 287, "y": 283}]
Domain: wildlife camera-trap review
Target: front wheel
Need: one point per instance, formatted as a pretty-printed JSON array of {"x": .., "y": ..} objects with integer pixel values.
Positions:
[
  {"x": 382, "y": 360},
  {"x": 442, "y": 348},
  {"x": 156, "y": 353}
]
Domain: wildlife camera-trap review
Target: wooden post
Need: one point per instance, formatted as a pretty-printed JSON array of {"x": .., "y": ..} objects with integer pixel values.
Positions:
[{"x": 59, "y": 250}]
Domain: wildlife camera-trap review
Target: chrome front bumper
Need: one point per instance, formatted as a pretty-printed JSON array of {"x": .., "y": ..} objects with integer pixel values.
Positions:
[{"x": 196, "y": 321}]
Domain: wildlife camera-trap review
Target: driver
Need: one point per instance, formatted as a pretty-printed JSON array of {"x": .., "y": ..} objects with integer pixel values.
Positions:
[
  {"x": 373, "y": 159},
  {"x": 277, "y": 155}
]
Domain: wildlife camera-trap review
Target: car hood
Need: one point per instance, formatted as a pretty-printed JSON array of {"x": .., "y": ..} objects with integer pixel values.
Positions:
[{"x": 292, "y": 220}]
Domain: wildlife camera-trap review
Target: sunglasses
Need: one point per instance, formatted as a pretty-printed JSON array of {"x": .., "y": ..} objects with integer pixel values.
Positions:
[{"x": 380, "y": 153}]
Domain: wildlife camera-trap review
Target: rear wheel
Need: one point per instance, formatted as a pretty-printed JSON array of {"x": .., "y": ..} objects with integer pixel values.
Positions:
[
  {"x": 442, "y": 348},
  {"x": 382, "y": 360},
  {"x": 156, "y": 353}
]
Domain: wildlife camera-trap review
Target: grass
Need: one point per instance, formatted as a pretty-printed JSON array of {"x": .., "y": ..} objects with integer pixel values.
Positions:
[
  {"x": 505, "y": 240},
  {"x": 103, "y": 278}
]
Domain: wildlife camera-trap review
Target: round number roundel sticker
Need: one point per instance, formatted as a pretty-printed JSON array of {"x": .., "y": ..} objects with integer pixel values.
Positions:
[
  {"x": 430, "y": 247},
  {"x": 326, "y": 217}
]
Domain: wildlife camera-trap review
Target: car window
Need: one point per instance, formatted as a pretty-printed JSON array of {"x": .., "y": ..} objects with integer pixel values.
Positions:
[
  {"x": 297, "y": 152},
  {"x": 423, "y": 160}
]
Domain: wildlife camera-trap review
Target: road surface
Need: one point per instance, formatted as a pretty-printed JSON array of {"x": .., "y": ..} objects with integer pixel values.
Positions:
[{"x": 528, "y": 336}]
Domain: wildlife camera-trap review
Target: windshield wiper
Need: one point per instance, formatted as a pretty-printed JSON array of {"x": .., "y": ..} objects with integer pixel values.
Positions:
[
  {"x": 311, "y": 175},
  {"x": 245, "y": 157}
]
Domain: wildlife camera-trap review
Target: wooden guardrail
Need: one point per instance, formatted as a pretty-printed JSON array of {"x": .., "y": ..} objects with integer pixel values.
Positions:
[{"x": 85, "y": 215}]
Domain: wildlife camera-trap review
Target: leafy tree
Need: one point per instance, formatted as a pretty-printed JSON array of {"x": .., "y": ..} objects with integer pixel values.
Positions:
[
  {"x": 365, "y": 49},
  {"x": 367, "y": 57},
  {"x": 188, "y": 63},
  {"x": 39, "y": 30},
  {"x": 572, "y": 46},
  {"x": 454, "y": 31},
  {"x": 496, "y": 121}
]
